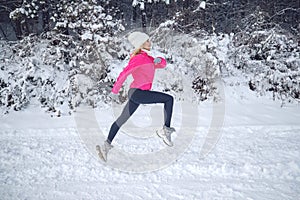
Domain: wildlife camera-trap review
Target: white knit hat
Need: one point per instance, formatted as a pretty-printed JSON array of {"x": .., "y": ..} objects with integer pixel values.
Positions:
[{"x": 137, "y": 39}]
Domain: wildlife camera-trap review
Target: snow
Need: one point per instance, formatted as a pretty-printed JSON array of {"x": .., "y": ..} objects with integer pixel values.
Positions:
[
  {"x": 202, "y": 4},
  {"x": 256, "y": 156},
  {"x": 87, "y": 36}
]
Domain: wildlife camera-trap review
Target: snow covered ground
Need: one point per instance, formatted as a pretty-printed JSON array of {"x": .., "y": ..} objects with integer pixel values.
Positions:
[{"x": 255, "y": 157}]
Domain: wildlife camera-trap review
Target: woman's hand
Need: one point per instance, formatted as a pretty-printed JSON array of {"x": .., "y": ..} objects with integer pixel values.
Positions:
[
  {"x": 157, "y": 60},
  {"x": 114, "y": 97}
]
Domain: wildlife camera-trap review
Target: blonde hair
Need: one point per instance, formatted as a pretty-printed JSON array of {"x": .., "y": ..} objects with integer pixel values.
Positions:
[{"x": 135, "y": 52}]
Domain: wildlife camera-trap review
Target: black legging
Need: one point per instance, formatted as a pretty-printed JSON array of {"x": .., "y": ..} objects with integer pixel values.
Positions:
[{"x": 137, "y": 97}]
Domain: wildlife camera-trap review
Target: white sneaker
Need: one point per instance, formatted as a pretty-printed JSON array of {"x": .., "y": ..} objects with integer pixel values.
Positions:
[
  {"x": 103, "y": 150},
  {"x": 165, "y": 134}
]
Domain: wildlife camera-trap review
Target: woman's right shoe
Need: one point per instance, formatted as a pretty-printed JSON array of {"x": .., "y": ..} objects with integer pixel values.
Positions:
[
  {"x": 165, "y": 134},
  {"x": 103, "y": 150}
]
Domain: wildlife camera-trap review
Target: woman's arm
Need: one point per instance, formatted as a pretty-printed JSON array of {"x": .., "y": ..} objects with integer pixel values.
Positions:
[
  {"x": 122, "y": 77},
  {"x": 161, "y": 64},
  {"x": 133, "y": 64}
]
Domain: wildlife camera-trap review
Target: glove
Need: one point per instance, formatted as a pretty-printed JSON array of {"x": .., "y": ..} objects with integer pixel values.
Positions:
[
  {"x": 157, "y": 60},
  {"x": 114, "y": 97}
]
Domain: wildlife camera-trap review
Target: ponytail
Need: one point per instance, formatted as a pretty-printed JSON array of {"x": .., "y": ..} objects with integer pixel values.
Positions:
[{"x": 135, "y": 52}]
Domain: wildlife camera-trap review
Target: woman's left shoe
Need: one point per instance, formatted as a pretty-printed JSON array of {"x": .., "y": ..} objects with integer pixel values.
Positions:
[
  {"x": 103, "y": 150},
  {"x": 165, "y": 134}
]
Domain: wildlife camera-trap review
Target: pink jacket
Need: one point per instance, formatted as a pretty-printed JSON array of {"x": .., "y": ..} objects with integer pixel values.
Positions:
[{"x": 142, "y": 69}]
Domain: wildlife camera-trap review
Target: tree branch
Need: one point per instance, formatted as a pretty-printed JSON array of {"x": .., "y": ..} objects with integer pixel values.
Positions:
[
  {"x": 281, "y": 12},
  {"x": 6, "y": 8}
]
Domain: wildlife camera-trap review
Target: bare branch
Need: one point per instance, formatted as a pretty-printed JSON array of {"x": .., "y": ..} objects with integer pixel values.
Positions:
[{"x": 281, "y": 12}]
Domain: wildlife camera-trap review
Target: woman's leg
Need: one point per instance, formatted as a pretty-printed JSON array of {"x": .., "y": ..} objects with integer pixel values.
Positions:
[
  {"x": 150, "y": 97},
  {"x": 136, "y": 97},
  {"x": 128, "y": 110}
]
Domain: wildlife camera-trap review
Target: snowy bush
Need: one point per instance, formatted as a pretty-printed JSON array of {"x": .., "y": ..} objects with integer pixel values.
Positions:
[
  {"x": 65, "y": 67},
  {"x": 202, "y": 58},
  {"x": 60, "y": 71},
  {"x": 55, "y": 70},
  {"x": 267, "y": 60},
  {"x": 271, "y": 62}
]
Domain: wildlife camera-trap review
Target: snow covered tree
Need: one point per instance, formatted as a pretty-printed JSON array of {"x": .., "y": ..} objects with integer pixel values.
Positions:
[
  {"x": 148, "y": 11},
  {"x": 64, "y": 67},
  {"x": 94, "y": 28},
  {"x": 26, "y": 17},
  {"x": 86, "y": 17}
]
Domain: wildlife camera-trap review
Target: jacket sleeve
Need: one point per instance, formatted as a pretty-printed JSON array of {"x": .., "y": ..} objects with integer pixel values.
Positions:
[
  {"x": 123, "y": 75},
  {"x": 162, "y": 63}
]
